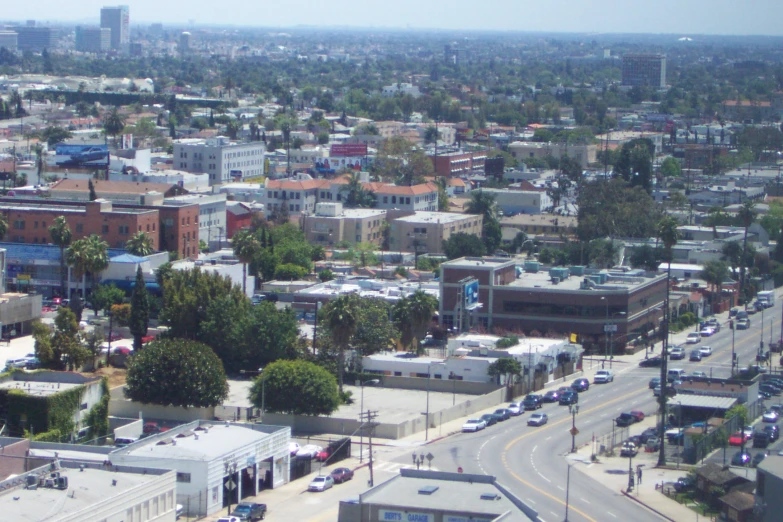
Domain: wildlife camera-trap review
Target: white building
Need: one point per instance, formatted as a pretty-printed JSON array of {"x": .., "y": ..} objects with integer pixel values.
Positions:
[
  {"x": 222, "y": 263},
  {"x": 389, "y": 91},
  {"x": 205, "y": 455},
  {"x": 211, "y": 214},
  {"x": 247, "y": 192},
  {"x": 520, "y": 201},
  {"x": 222, "y": 159}
]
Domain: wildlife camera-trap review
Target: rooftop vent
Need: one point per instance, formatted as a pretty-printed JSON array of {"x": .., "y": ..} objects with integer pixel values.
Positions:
[
  {"x": 184, "y": 434},
  {"x": 490, "y": 496},
  {"x": 428, "y": 490}
]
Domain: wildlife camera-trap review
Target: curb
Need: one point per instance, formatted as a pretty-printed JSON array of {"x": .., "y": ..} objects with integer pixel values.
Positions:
[{"x": 628, "y": 495}]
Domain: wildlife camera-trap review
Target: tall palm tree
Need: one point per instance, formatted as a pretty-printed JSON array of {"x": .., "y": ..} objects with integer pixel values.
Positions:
[
  {"x": 481, "y": 203},
  {"x": 669, "y": 235},
  {"x": 3, "y": 226},
  {"x": 140, "y": 244},
  {"x": 61, "y": 236},
  {"x": 40, "y": 164},
  {"x": 98, "y": 257},
  {"x": 113, "y": 123},
  {"x": 747, "y": 214},
  {"x": 246, "y": 247},
  {"x": 342, "y": 320},
  {"x": 76, "y": 256}
]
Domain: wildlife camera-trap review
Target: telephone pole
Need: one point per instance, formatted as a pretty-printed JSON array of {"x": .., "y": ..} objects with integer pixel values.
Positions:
[{"x": 370, "y": 417}]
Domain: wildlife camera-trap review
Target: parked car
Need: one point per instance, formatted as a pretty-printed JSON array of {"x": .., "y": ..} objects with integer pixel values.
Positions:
[
  {"x": 628, "y": 450},
  {"x": 551, "y": 396},
  {"x": 502, "y": 414},
  {"x": 761, "y": 439},
  {"x": 321, "y": 483},
  {"x": 769, "y": 389},
  {"x": 777, "y": 407},
  {"x": 699, "y": 374},
  {"x": 671, "y": 391},
  {"x": 748, "y": 431},
  {"x": 474, "y": 425},
  {"x": 652, "y": 362},
  {"x": 738, "y": 438},
  {"x": 773, "y": 431},
  {"x": 532, "y": 402},
  {"x": 323, "y": 455},
  {"x": 693, "y": 338},
  {"x": 654, "y": 382},
  {"x": 625, "y": 419},
  {"x": 706, "y": 351},
  {"x": 647, "y": 434},
  {"x": 569, "y": 397},
  {"x": 770, "y": 416},
  {"x": 340, "y": 475},
  {"x": 653, "y": 444},
  {"x": 758, "y": 457},
  {"x": 309, "y": 451},
  {"x": 293, "y": 448},
  {"x": 580, "y": 385},
  {"x": 637, "y": 415},
  {"x": 150, "y": 427},
  {"x": 489, "y": 419},
  {"x": 537, "y": 419},
  {"x": 684, "y": 484},
  {"x": 695, "y": 355},
  {"x": 603, "y": 376},
  {"x": 515, "y": 408},
  {"x": 229, "y": 519},
  {"x": 249, "y": 511}
]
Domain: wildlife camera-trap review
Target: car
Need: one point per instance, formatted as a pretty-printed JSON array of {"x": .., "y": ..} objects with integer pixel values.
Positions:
[
  {"x": 773, "y": 431},
  {"x": 743, "y": 324},
  {"x": 551, "y": 396},
  {"x": 684, "y": 484},
  {"x": 321, "y": 483},
  {"x": 638, "y": 415},
  {"x": 228, "y": 519},
  {"x": 474, "y": 425},
  {"x": 671, "y": 391},
  {"x": 674, "y": 435},
  {"x": 695, "y": 355},
  {"x": 652, "y": 362},
  {"x": 16, "y": 363},
  {"x": 489, "y": 419},
  {"x": 654, "y": 382},
  {"x": 699, "y": 374},
  {"x": 89, "y": 154},
  {"x": 706, "y": 351},
  {"x": 693, "y": 338},
  {"x": 293, "y": 448},
  {"x": 764, "y": 395},
  {"x": 515, "y": 408},
  {"x": 249, "y": 511},
  {"x": 625, "y": 419},
  {"x": 770, "y": 383},
  {"x": 777, "y": 407},
  {"x": 628, "y": 450},
  {"x": 502, "y": 414},
  {"x": 569, "y": 397},
  {"x": 748, "y": 431},
  {"x": 323, "y": 455},
  {"x": 532, "y": 402},
  {"x": 738, "y": 439},
  {"x": 742, "y": 314},
  {"x": 340, "y": 475},
  {"x": 150, "y": 427},
  {"x": 770, "y": 416},
  {"x": 761, "y": 439},
  {"x": 648, "y": 434},
  {"x": 580, "y": 385},
  {"x": 707, "y": 331},
  {"x": 308, "y": 451},
  {"x": 677, "y": 353},
  {"x": 741, "y": 458},
  {"x": 733, "y": 312},
  {"x": 537, "y": 419},
  {"x": 772, "y": 390},
  {"x": 603, "y": 376},
  {"x": 758, "y": 457},
  {"x": 653, "y": 444}
]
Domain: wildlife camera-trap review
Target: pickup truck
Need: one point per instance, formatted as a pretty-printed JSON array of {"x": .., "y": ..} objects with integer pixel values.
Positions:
[
  {"x": 603, "y": 376},
  {"x": 249, "y": 511}
]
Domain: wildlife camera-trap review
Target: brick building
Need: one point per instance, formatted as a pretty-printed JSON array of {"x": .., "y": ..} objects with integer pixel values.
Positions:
[{"x": 458, "y": 163}]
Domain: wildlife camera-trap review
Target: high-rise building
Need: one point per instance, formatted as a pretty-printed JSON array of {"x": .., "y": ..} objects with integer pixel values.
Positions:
[
  {"x": 93, "y": 39},
  {"x": 118, "y": 20},
  {"x": 644, "y": 69},
  {"x": 32, "y": 38},
  {"x": 184, "y": 42},
  {"x": 8, "y": 40}
]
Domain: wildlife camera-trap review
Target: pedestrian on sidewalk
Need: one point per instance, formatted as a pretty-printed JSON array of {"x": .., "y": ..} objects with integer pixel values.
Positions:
[{"x": 639, "y": 475}]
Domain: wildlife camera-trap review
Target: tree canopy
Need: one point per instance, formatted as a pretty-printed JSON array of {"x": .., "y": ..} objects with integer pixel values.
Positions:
[
  {"x": 615, "y": 208},
  {"x": 296, "y": 388}
]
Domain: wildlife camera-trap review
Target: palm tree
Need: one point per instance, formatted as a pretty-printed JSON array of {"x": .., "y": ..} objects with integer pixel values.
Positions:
[
  {"x": 140, "y": 245},
  {"x": 61, "y": 236},
  {"x": 113, "y": 123},
  {"x": 88, "y": 255},
  {"x": 246, "y": 248},
  {"x": 39, "y": 161},
  {"x": 76, "y": 257},
  {"x": 747, "y": 214},
  {"x": 732, "y": 254},
  {"x": 3, "y": 226},
  {"x": 669, "y": 235},
  {"x": 481, "y": 203},
  {"x": 715, "y": 273},
  {"x": 342, "y": 320}
]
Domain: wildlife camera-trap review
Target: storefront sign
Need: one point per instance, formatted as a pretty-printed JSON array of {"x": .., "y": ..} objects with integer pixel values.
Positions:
[{"x": 403, "y": 516}]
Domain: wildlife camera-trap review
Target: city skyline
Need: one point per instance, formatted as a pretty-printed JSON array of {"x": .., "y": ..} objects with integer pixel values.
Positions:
[{"x": 684, "y": 17}]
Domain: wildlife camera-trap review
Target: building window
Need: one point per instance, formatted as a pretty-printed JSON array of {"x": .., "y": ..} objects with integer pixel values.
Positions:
[
  {"x": 35, "y": 224},
  {"x": 79, "y": 227},
  {"x": 19, "y": 224},
  {"x": 183, "y": 477},
  {"x": 124, "y": 229},
  {"x": 105, "y": 229}
]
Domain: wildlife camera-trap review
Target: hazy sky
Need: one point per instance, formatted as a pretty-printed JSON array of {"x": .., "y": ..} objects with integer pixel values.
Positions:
[{"x": 606, "y": 16}]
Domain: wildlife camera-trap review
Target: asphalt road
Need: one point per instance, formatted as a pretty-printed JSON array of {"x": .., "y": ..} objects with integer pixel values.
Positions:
[{"x": 531, "y": 461}]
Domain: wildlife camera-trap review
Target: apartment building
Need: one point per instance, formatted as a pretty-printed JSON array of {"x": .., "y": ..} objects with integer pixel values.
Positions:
[
  {"x": 415, "y": 198},
  {"x": 221, "y": 158},
  {"x": 644, "y": 69},
  {"x": 425, "y": 232},
  {"x": 513, "y": 202},
  {"x": 9, "y": 40},
  {"x": 93, "y": 39},
  {"x": 451, "y": 163},
  {"x": 584, "y": 154},
  {"x": 296, "y": 195},
  {"x": 332, "y": 224}
]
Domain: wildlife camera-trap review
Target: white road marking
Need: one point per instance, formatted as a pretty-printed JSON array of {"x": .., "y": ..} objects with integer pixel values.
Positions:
[
  {"x": 548, "y": 438},
  {"x": 560, "y": 488},
  {"x": 555, "y": 514},
  {"x": 531, "y": 501},
  {"x": 610, "y": 513},
  {"x": 583, "y": 500}
]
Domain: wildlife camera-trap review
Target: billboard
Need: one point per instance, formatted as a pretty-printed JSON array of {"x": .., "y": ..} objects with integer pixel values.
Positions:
[
  {"x": 88, "y": 156},
  {"x": 471, "y": 294},
  {"x": 348, "y": 150}
]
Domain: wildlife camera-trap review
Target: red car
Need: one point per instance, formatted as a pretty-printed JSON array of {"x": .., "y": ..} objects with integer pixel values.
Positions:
[
  {"x": 737, "y": 439},
  {"x": 340, "y": 475},
  {"x": 150, "y": 427},
  {"x": 322, "y": 455},
  {"x": 637, "y": 415}
]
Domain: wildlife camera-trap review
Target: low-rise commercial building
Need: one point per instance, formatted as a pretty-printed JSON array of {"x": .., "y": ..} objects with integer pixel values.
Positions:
[
  {"x": 130, "y": 192},
  {"x": 212, "y": 221},
  {"x": 425, "y": 232},
  {"x": 333, "y": 224},
  {"x": 513, "y": 202},
  {"x": 584, "y": 154},
  {"x": 450, "y": 163},
  {"x": 221, "y": 158}
]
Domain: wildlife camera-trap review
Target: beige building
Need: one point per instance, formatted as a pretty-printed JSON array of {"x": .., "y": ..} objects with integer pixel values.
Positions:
[
  {"x": 584, "y": 154},
  {"x": 425, "y": 232},
  {"x": 333, "y": 224}
]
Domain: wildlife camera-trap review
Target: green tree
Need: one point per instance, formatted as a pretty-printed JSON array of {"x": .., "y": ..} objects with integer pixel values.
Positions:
[
  {"x": 55, "y": 135},
  {"x": 732, "y": 254},
  {"x": 140, "y": 310},
  {"x": 747, "y": 215},
  {"x": 461, "y": 244},
  {"x": 290, "y": 272},
  {"x": 91, "y": 188},
  {"x": 61, "y": 236},
  {"x": 635, "y": 163},
  {"x": 316, "y": 389},
  {"x": 482, "y": 203},
  {"x": 375, "y": 330},
  {"x": 60, "y": 347},
  {"x": 341, "y": 317},
  {"x": 140, "y": 244},
  {"x": 113, "y": 122},
  {"x": 614, "y": 208},
  {"x": 715, "y": 273},
  {"x": 176, "y": 372},
  {"x": 103, "y": 297},
  {"x": 646, "y": 257},
  {"x": 246, "y": 247},
  {"x": 413, "y": 316},
  {"x": 671, "y": 168},
  {"x": 325, "y": 275},
  {"x": 506, "y": 367}
]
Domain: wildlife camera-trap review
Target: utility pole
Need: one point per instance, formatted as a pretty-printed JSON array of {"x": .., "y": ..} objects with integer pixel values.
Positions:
[{"x": 370, "y": 416}]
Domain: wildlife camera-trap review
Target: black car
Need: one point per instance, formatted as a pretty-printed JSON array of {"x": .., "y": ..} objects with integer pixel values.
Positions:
[
  {"x": 695, "y": 355},
  {"x": 773, "y": 431},
  {"x": 490, "y": 418},
  {"x": 761, "y": 439},
  {"x": 551, "y": 396},
  {"x": 249, "y": 511},
  {"x": 531, "y": 402},
  {"x": 569, "y": 397},
  {"x": 684, "y": 484},
  {"x": 741, "y": 458},
  {"x": 654, "y": 383},
  {"x": 502, "y": 414},
  {"x": 580, "y": 385},
  {"x": 758, "y": 457},
  {"x": 652, "y": 362},
  {"x": 769, "y": 389},
  {"x": 625, "y": 419}
]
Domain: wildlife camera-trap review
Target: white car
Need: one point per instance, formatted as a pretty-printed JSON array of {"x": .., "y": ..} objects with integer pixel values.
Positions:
[
  {"x": 699, "y": 374},
  {"x": 309, "y": 451},
  {"x": 474, "y": 425},
  {"x": 229, "y": 519},
  {"x": 706, "y": 351},
  {"x": 516, "y": 408},
  {"x": 603, "y": 376},
  {"x": 293, "y": 448},
  {"x": 693, "y": 338},
  {"x": 321, "y": 483},
  {"x": 537, "y": 419},
  {"x": 707, "y": 331},
  {"x": 770, "y": 416}
]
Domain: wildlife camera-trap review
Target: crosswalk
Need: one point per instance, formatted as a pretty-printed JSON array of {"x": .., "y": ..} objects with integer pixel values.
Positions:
[{"x": 395, "y": 467}]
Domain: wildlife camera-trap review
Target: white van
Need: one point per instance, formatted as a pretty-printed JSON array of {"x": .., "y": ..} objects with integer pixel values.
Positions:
[{"x": 675, "y": 375}]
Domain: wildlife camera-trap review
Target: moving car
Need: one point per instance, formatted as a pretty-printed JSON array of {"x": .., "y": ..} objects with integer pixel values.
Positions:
[
  {"x": 249, "y": 511},
  {"x": 625, "y": 419},
  {"x": 707, "y": 331},
  {"x": 654, "y": 382},
  {"x": 677, "y": 353},
  {"x": 738, "y": 438},
  {"x": 537, "y": 419},
  {"x": 699, "y": 374},
  {"x": 474, "y": 425},
  {"x": 770, "y": 416},
  {"x": 532, "y": 402},
  {"x": 321, "y": 483},
  {"x": 628, "y": 450},
  {"x": 340, "y": 475},
  {"x": 653, "y": 444},
  {"x": 741, "y": 458},
  {"x": 603, "y": 376},
  {"x": 773, "y": 431},
  {"x": 652, "y": 362},
  {"x": 693, "y": 338},
  {"x": 684, "y": 484},
  {"x": 580, "y": 385},
  {"x": 551, "y": 396},
  {"x": 758, "y": 457},
  {"x": 695, "y": 355},
  {"x": 743, "y": 324},
  {"x": 706, "y": 351},
  {"x": 489, "y": 419},
  {"x": 761, "y": 439},
  {"x": 569, "y": 397},
  {"x": 637, "y": 415}
]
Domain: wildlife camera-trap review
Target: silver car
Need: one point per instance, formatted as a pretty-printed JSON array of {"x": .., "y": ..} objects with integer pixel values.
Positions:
[
  {"x": 321, "y": 483},
  {"x": 537, "y": 419}
]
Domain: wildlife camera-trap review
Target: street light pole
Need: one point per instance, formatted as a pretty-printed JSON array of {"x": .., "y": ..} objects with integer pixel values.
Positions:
[
  {"x": 761, "y": 335},
  {"x": 733, "y": 355},
  {"x": 568, "y": 489},
  {"x": 573, "y": 410},
  {"x": 427, "y": 414},
  {"x": 371, "y": 382}
]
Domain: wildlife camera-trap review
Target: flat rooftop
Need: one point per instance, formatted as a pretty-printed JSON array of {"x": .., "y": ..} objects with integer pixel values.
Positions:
[
  {"x": 435, "y": 217},
  {"x": 480, "y": 262},
  {"x": 219, "y": 439},
  {"x": 354, "y": 213},
  {"x": 38, "y": 389},
  {"x": 542, "y": 279}
]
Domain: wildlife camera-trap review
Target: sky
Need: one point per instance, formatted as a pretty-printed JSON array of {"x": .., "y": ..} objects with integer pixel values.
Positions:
[{"x": 684, "y": 17}]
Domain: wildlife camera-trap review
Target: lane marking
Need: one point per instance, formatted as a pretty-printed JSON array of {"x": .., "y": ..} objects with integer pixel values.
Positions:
[
  {"x": 610, "y": 513},
  {"x": 561, "y": 488},
  {"x": 583, "y": 500}
]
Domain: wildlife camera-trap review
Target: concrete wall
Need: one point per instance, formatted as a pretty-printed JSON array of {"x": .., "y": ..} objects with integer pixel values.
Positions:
[
  {"x": 12, "y": 461},
  {"x": 438, "y": 385},
  {"x": 126, "y": 408}
]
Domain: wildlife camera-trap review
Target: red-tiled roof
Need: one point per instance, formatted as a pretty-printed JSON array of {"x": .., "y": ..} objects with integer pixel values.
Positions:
[{"x": 307, "y": 184}]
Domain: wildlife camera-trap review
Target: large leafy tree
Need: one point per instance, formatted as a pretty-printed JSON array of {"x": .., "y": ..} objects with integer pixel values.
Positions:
[
  {"x": 60, "y": 347},
  {"x": 140, "y": 310},
  {"x": 615, "y": 209},
  {"x": 140, "y": 244},
  {"x": 355, "y": 194},
  {"x": 296, "y": 388},
  {"x": 413, "y": 316},
  {"x": 113, "y": 122},
  {"x": 483, "y": 204},
  {"x": 715, "y": 273},
  {"x": 507, "y": 367},
  {"x": 341, "y": 318},
  {"x": 375, "y": 331},
  {"x": 635, "y": 163},
  {"x": 61, "y": 236},
  {"x": 103, "y": 297},
  {"x": 176, "y": 372},
  {"x": 463, "y": 245}
]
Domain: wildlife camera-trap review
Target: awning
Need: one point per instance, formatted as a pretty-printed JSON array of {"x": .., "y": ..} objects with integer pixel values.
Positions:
[{"x": 703, "y": 401}]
